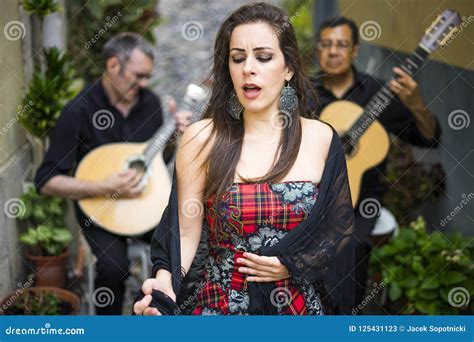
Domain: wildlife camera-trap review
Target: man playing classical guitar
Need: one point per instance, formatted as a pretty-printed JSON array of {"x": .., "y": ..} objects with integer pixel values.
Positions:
[
  {"x": 116, "y": 108},
  {"x": 407, "y": 117}
]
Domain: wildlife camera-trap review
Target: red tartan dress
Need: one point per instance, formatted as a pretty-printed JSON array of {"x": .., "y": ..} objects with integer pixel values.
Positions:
[{"x": 252, "y": 215}]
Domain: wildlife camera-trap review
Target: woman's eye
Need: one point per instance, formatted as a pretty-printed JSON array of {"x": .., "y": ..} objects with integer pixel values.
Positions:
[
  {"x": 264, "y": 59},
  {"x": 261, "y": 59}
]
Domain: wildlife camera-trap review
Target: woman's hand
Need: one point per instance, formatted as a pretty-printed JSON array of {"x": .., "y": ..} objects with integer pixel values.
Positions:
[
  {"x": 262, "y": 268},
  {"x": 162, "y": 282}
]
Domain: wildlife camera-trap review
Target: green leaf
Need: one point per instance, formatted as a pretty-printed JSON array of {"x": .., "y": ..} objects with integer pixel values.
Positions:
[
  {"x": 44, "y": 233},
  {"x": 62, "y": 236},
  {"x": 411, "y": 293},
  {"x": 409, "y": 235},
  {"x": 39, "y": 214},
  {"x": 431, "y": 283},
  {"x": 444, "y": 294},
  {"x": 394, "y": 292},
  {"x": 41, "y": 8},
  {"x": 453, "y": 277},
  {"x": 50, "y": 240},
  {"x": 47, "y": 93},
  {"x": 422, "y": 306},
  {"x": 468, "y": 284},
  {"x": 429, "y": 294},
  {"x": 418, "y": 268},
  {"x": 435, "y": 264},
  {"x": 409, "y": 282},
  {"x": 439, "y": 241},
  {"x": 29, "y": 237},
  {"x": 434, "y": 309}
]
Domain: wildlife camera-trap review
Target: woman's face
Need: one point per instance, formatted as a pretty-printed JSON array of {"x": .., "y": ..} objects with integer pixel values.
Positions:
[{"x": 257, "y": 67}]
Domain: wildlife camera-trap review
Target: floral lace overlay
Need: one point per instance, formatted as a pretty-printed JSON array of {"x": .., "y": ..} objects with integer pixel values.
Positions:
[{"x": 248, "y": 217}]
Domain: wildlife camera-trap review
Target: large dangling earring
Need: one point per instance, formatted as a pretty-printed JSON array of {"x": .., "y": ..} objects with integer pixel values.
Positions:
[
  {"x": 233, "y": 106},
  {"x": 288, "y": 99}
]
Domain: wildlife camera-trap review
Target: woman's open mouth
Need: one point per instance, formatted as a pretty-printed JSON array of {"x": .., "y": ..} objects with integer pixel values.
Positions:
[{"x": 251, "y": 91}]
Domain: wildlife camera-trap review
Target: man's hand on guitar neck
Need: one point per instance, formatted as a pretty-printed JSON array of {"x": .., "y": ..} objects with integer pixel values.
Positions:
[
  {"x": 181, "y": 117},
  {"x": 409, "y": 93},
  {"x": 407, "y": 89}
]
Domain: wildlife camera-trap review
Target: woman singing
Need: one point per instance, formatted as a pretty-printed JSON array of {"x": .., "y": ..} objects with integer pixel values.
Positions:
[{"x": 270, "y": 188}]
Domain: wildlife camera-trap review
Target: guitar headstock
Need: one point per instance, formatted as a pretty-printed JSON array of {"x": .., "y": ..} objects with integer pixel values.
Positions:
[
  {"x": 441, "y": 31},
  {"x": 196, "y": 93}
]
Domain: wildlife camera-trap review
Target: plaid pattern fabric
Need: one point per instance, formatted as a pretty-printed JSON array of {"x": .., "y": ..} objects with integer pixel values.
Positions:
[
  {"x": 249, "y": 216},
  {"x": 213, "y": 297}
]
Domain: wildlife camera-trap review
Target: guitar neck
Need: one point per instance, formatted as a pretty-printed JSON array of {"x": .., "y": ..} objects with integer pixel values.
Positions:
[
  {"x": 158, "y": 140},
  {"x": 381, "y": 100}
]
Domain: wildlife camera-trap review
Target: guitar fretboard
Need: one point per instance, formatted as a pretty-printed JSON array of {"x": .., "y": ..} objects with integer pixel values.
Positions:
[
  {"x": 380, "y": 101},
  {"x": 158, "y": 140}
]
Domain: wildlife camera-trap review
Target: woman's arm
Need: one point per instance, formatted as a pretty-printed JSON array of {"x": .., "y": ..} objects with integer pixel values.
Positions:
[{"x": 191, "y": 180}]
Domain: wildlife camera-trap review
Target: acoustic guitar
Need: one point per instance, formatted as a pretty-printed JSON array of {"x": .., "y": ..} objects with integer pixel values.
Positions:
[
  {"x": 365, "y": 140},
  {"x": 133, "y": 216}
]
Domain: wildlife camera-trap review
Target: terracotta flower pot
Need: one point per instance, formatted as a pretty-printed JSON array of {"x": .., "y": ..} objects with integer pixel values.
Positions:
[
  {"x": 69, "y": 301},
  {"x": 50, "y": 270}
]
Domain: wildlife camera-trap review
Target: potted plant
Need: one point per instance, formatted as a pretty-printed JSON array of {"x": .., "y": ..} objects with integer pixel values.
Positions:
[
  {"x": 53, "y": 83},
  {"x": 427, "y": 273},
  {"x": 424, "y": 183},
  {"x": 47, "y": 238},
  {"x": 39, "y": 9},
  {"x": 41, "y": 300},
  {"x": 47, "y": 93}
]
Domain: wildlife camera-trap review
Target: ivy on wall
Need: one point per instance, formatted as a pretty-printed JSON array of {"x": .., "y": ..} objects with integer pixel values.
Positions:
[{"x": 91, "y": 23}]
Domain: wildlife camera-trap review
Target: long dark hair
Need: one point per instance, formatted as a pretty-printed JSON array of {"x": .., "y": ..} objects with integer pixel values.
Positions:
[{"x": 227, "y": 132}]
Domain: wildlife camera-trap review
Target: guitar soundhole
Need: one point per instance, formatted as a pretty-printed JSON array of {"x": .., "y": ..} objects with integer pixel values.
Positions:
[
  {"x": 350, "y": 146},
  {"x": 138, "y": 165}
]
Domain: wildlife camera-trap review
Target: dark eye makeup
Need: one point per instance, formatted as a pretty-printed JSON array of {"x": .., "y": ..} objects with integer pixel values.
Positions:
[{"x": 262, "y": 59}]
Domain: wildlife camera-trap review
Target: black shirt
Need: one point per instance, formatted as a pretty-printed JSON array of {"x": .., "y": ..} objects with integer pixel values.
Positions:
[
  {"x": 396, "y": 119},
  {"x": 81, "y": 128}
]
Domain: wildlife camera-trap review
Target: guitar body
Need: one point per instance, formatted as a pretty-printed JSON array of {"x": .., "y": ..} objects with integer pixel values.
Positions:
[
  {"x": 120, "y": 215},
  {"x": 372, "y": 147}
]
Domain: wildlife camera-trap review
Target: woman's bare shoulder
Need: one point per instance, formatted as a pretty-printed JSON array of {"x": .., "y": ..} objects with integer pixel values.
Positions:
[
  {"x": 195, "y": 141},
  {"x": 318, "y": 132},
  {"x": 200, "y": 131}
]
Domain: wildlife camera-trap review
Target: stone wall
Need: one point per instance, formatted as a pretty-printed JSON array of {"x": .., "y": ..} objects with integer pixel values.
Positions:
[
  {"x": 186, "y": 41},
  {"x": 15, "y": 158}
]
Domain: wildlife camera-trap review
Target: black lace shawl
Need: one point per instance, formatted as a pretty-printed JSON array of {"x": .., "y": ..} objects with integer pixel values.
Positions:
[{"x": 319, "y": 251}]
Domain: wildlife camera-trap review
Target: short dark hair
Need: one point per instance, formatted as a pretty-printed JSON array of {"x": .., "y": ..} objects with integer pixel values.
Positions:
[
  {"x": 339, "y": 21},
  {"x": 122, "y": 45}
]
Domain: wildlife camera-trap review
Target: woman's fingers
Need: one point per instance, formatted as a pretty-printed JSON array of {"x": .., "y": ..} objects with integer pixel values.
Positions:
[
  {"x": 151, "y": 312},
  {"x": 262, "y": 279},
  {"x": 140, "y": 306},
  {"x": 253, "y": 265},
  {"x": 253, "y": 271},
  {"x": 262, "y": 268},
  {"x": 262, "y": 260},
  {"x": 148, "y": 285}
]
